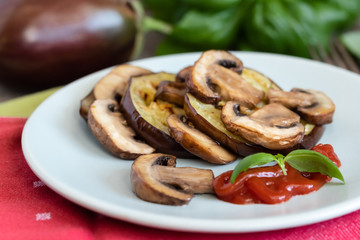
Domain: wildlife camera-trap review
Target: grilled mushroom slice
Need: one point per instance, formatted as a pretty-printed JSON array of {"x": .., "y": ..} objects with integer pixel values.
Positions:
[
  {"x": 85, "y": 105},
  {"x": 321, "y": 111},
  {"x": 183, "y": 74},
  {"x": 172, "y": 92},
  {"x": 197, "y": 142},
  {"x": 215, "y": 77},
  {"x": 155, "y": 178},
  {"x": 110, "y": 129},
  {"x": 272, "y": 126},
  {"x": 207, "y": 119},
  {"x": 291, "y": 99},
  {"x": 111, "y": 86},
  {"x": 114, "y": 84},
  {"x": 313, "y": 106}
]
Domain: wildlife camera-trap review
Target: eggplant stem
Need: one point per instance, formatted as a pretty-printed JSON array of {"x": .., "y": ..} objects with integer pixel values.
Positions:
[
  {"x": 153, "y": 24},
  {"x": 145, "y": 24},
  {"x": 139, "y": 38}
]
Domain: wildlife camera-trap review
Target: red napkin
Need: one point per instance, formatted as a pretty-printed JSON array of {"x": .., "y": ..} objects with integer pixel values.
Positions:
[{"x": 30, "y": 210}]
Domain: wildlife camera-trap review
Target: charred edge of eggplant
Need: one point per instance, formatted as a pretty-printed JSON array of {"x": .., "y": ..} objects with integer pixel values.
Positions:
[{"x": 161, "y": 141}]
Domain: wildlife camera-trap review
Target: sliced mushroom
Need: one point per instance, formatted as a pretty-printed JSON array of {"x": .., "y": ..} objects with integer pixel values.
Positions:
[
  {"x": 183, "y": 74},
  {"x": 215, "y": 77},
  {"x": 85, "y": 105},
  {"x": 291, "y": 99},
  {"x": 172, "y": 92},
  {"x": 272, "y": 126},
  {"x": 207, "y": 119},
  {"x": 111, "y": 86},
  {"x": 155, "y": 178},
  {"x": 111, "y": 130},
  {"x": 114, "y": 84},
  {"x": 197, "y": 142},
  {"x": 321, "y": 111}
]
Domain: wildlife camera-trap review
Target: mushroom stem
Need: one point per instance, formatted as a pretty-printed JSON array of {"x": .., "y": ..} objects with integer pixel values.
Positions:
[
  {"x": 291, "y": 99},
  {"x": 189, "y": 179},
  {"x": 172, "y": 92}
]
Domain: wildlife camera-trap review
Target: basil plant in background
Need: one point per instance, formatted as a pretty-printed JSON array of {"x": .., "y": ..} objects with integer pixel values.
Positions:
[{"x": 280, "y": 26}]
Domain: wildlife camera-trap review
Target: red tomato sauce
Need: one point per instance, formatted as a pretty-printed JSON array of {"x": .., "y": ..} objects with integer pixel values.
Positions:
[{"x": 269, "y": 185}]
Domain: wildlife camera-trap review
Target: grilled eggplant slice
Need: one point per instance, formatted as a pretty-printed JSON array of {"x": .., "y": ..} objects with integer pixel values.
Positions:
[{"x": 147, "y": 115}]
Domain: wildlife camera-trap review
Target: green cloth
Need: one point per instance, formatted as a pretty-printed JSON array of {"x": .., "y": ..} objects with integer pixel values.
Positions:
[{"x": 24, "y": 106}]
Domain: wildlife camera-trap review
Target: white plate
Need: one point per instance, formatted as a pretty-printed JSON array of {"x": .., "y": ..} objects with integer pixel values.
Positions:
[{"x": 62, "y": 152}]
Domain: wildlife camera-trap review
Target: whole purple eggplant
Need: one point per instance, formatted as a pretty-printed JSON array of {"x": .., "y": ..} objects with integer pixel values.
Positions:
[{"x": 48, "y": 43}]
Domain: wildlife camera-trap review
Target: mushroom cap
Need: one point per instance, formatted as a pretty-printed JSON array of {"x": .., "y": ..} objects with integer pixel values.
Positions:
[
  {"x": 197, "y": 142},
  {"x": 321, "y": 111},
  {"x": 272, "y": 126},
  {"x": 215, "y": 76},
  {"x": 155, "y": 178},
  {"x": 113, "y": 85},
  {"x": 111, "y": 130}
]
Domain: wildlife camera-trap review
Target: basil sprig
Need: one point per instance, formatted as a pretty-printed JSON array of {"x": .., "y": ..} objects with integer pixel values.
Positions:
[{"x": 302, "y": 160}]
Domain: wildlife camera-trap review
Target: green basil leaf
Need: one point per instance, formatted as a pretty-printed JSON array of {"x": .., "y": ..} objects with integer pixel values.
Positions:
[
  {"x": 283, "y": 26},
  {"x": 208, "y": 29},
  {"x": 292, "y": 26},
  {"x": 311, "y": 161},
  {"x": 280, "y": 160},
  {"x": 351, "y": 41},
  {"x": 256, "y": 159},
  {"x": 166, "y": 10},
  {"x": 212, "y": 4},
  {"x": 171, "y": 45}
]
